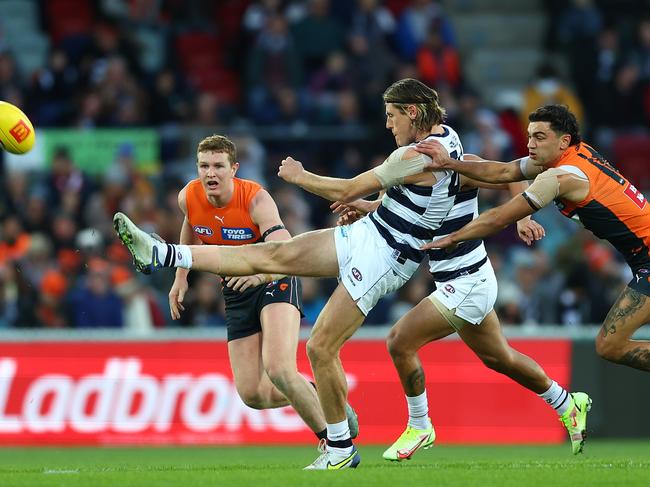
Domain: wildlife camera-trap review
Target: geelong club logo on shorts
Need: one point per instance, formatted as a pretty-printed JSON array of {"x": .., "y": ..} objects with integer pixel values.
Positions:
[{"x": 356, "y": 273}]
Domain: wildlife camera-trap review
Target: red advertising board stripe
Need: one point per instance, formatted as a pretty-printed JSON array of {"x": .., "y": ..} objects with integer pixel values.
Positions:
[{"x": 182, "y": 392}]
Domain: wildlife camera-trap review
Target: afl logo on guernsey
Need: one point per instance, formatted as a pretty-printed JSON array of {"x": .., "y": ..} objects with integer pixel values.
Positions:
[
  {"x": 201, "y": 230},
  {"x": 237, "y": 233}
]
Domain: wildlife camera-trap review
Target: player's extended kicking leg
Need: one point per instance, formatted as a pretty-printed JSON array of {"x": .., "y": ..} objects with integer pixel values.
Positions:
[
  {"x": 629, "y": 313},
  {"x": 311, "y": 254}
]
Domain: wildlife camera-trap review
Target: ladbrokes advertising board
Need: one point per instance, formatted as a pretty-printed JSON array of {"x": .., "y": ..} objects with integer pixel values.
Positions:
[{"x": 182, "y": 392}]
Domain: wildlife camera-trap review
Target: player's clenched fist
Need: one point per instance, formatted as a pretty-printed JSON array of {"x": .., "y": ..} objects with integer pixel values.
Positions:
[{"x": 290, "y": 170}]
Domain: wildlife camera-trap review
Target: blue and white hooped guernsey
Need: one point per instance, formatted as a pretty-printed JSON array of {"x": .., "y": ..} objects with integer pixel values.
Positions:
[
  {"x": 410, "y": 216},
  {"x": 469, "y": 256}
]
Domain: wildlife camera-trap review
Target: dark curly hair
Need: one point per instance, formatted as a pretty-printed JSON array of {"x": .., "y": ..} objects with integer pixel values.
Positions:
[{"x": 561, "y": 119}]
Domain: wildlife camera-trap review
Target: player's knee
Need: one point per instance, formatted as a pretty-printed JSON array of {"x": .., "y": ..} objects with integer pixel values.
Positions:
[
  {"x": 607, "y": 349},
  {"x": 396, "y": 344},
  {"x": 280, "y": 375},
  {"x": 251, "y": 397},
  {"x": 278, "y": 252},
  {"x": 317, "y": 350},
  {"x": 501, "y": 363}
]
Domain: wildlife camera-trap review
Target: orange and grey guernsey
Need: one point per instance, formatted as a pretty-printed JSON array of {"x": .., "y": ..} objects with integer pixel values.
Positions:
[
  {"x": 230, "y": 225},
  {"x": 613, "y": 210}
]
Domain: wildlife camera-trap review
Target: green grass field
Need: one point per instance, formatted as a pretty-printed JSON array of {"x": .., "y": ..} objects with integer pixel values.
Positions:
[{"x": 606, "y": 463}]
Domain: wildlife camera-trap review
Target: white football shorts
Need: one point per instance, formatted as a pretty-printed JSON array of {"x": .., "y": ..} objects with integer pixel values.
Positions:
[
  {"x": 470, "y": 297},
  {"x": 368, "y": 267}
]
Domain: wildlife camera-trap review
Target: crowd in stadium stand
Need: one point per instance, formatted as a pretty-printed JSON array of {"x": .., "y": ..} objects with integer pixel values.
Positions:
[{"x": 291, "y": 64}]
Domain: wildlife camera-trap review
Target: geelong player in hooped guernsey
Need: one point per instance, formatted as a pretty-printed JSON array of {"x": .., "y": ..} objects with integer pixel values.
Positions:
[{"x": 585, "y": 187}]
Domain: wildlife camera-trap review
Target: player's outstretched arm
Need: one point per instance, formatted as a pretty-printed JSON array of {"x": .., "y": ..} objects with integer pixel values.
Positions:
[
  {"x": 528, "y": 229},
  {"x": 333, "y": 189},
  {"x": 489, "y": 222},
  {"x": 486, "y": 171}
]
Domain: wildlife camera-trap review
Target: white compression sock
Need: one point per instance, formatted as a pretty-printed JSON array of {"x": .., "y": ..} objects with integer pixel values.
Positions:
[
  {"x": 418, "y": 411},
  {"x": 557, "y": 397},
  {"x": 174, "y": 255},
  {"x": 339, "y": 433}
]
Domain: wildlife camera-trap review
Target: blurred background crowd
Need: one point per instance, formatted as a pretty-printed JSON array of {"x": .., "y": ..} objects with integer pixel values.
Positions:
[{"x": 301, "y": 78}]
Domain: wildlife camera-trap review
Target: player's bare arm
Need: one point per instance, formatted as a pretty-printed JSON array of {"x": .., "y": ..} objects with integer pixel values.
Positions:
[
  {"x": 549, "y": 185},
  {"x": 486, "y": 171},
  {"x": 403, "y": 166},
  {"x": 528, "y": 229},
  {"x": 180, "y": 286},
  {"x": 333, "y": 189}
]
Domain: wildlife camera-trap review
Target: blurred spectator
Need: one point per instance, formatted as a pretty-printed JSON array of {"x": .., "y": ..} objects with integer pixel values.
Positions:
[
  {"x": 258, "y": 14},
  {"x": 51, "y": 309},
  {"x": 317, "y": 35},
  {"x": 64, "y": 231},
  {"x": 204, "y": 304},
  {"x": 9, "y": 78},
  {"x": 168, "y": 102},
  {"x": 546, "y": 89},
  {"x": 369, "y": 44},
  {"x": 68, "y": 188},
  {"x": 438, "y": 63},
  {"x": 15, "y": 241},
  {"x": 326, "y": 87},
  {"x": 142, "y": 314},
  {"x": 55, "y": 86},
  {"x": 640, "y": 55},
  {"x": 578, "y": 28},
  {"x": 508, "y": 105},
  {"x": 598, "y": 82},
  {"x": 417, "y": 21},
  {"x": 123, "y": 100},
  {"x": 273, "y": 66},
  {"x": 93, "y": 302},
  {"x": 487, "y": 138},
  {"x": 17, "y": 298},
  {"x": 628, "y": 99}
]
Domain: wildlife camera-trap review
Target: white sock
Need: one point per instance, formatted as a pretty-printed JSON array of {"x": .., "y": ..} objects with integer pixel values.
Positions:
[
  {"x": 418, "y": 411},
  {"x": 557, "y": 397},
  {"x": 339, "y": 432},
  {"x": 174, "y": 255}
]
